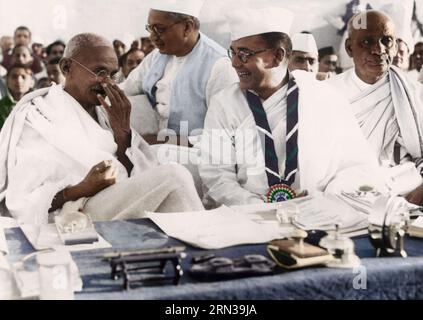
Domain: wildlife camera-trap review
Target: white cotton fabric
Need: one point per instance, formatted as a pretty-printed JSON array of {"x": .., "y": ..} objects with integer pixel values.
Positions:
[
  {"x": 189, "y": 7},
  {"x": 50, "y": 142},
  {"x": 329, "y": 142},
  {"x": 387, "y": 111},
  {"x": 245, "y": 22},
  {"x": 304, "y": 42}
]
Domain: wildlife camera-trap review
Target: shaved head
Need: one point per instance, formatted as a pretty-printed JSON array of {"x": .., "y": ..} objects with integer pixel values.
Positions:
[
  {"x": 87, "y": 56},
  {"x": 84, "y": 41},
  {"x": 372, "y": 44},
  {"x": 366, "y": 19}
]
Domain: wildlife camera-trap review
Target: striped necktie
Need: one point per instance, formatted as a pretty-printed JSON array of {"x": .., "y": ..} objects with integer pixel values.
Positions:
[{"x": 271, "y": 159}]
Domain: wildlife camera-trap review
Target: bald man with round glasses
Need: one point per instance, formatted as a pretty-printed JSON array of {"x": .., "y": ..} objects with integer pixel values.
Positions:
[{"x": 67, "y": 146}]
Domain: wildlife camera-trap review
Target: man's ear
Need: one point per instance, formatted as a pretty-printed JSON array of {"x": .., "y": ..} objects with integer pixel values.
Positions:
[
  {"x": 279, "y": 56},
  {"x": 64, "y": 65},
  {"x": 189, "y": 27},
  {"x": 348, "y": 47},
  {"x": 396, "y": 47}
]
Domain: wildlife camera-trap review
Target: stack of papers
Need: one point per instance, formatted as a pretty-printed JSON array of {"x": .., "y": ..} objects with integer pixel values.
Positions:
[
  {"x": 321, "y": 212},
  {"x": 325, "y": 212},
  {"x": 362, "y": 203}
]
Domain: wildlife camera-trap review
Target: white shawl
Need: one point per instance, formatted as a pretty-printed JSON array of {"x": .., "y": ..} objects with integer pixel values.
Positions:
[
  {"x": 50, "y": 142},
  {"x": 388, "y": 111}
]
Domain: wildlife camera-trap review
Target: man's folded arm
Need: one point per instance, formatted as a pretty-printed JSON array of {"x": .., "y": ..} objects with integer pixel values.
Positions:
[{"x": 222, "y": 186}]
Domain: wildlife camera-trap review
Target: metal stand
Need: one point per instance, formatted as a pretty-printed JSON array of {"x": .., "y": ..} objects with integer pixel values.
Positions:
[
  {"x": 146, "y": 268},
  {"x": 395, "y": 247},
  {"x": 388, "y": 223}
]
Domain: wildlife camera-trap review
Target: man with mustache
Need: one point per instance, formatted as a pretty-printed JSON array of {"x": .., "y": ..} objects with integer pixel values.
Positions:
[
  {"x": 181, "y": 75},
  {"x": 66, "y": 144},
  {"x": 276, "y": 133},
  {"x": 386, "y": 103}
]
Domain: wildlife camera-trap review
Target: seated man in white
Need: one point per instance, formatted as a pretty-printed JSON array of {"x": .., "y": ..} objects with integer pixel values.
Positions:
[
  {"x": 385, "y": 101},
  {"x": 181, "y": 75},
  {"x": 274, "y": 134},
  {"x": 60, "y": 145}
]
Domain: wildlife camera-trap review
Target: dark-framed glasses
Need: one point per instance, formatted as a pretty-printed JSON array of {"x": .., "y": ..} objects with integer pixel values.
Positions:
[
  {"x": 244, "y": 54},
  {"x": 101, "y": 75},
  {"x": 159, "y": 29}
]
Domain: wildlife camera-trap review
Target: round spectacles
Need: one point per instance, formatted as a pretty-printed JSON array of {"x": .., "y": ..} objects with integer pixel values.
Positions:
[
  {"x": 102, "y": 74},
  {"x": 159, "y": 30},
  {"x": 244, "y": 54}
]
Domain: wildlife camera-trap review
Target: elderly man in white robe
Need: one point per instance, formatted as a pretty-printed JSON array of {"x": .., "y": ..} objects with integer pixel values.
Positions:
[
  {"x": 181, "y": 75},
  {"x": 275, "y": 134},
  {"x": 386, "y": 103},
  {"x": 67, "y": 144}
]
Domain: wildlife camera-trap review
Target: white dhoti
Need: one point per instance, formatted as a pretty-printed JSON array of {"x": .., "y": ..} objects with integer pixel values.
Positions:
[{"x": 168, "y": 189}]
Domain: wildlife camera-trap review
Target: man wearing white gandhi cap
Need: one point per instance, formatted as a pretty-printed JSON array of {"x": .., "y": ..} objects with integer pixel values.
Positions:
[
  {"x": 180, "y": 76},
  {"x": 282, "y": 133},
  {"x": 304, "y": 53}
]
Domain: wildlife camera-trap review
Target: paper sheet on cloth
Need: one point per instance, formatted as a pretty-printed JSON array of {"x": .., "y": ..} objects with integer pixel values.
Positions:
[
  {"x": 46, "y": 236},
  {"x": 218, "y": 228}
]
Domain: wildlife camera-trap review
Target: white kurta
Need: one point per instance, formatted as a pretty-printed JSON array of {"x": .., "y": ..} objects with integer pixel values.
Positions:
[
  {"x": 222, "y": 75},
  {"x": 50, "y": 142},
  {"x": 232, "y": 158}
]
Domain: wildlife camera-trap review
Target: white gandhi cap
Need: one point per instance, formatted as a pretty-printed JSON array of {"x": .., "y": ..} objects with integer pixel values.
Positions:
[
  {"x": 304, "y": 42},
  {"x": 189, "y": 7},
  {"x": 249, "y": 22}
]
